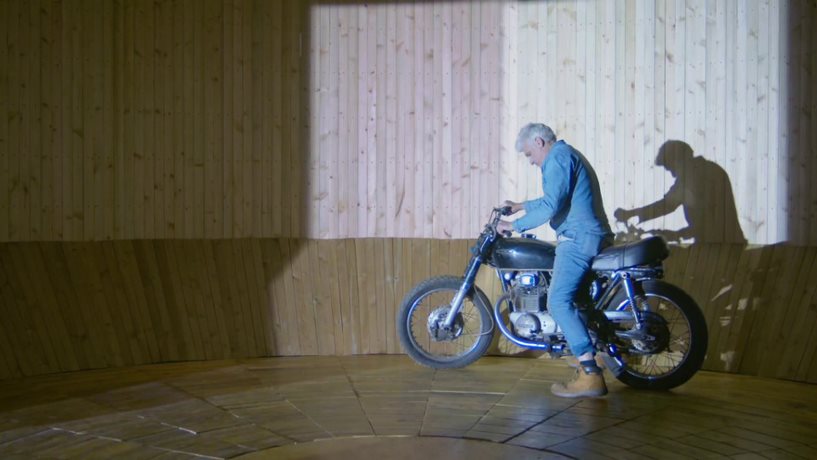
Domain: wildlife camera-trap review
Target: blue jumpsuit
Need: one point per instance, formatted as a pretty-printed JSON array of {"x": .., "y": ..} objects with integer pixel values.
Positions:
[{"x": 573, "y": 205}]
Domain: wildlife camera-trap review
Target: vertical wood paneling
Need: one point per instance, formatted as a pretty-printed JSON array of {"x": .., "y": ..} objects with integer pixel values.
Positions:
[
  {"x": 304, "y": 297},
  {"x": 279, "y": 292},
  {"x": 200, "y": 205},
  {"x": 245, "y": 285},
  {"x": 163, "y": 121},
  {"x": 366, "y": 294},
  {"x": 29, "y": 111},
  {"x": 459, "y": 113},
  {"x": 160, "y": 275},
  {"x": 477, "y": 121},
  {"x": 39, "y": 327},
  {"x": 605, "y": 71},
  {"x": 70, "y": 306},
  {"x": 125, "y": 186},
  {"x": 799, "y": 320},
  {"x": 5, "y": 107},
  {"x": 17, "y": 332},
  {"x": 332, "y": 164},
  {"x": 324, "y": 320},
  {"x": 146, "y": 106},
  {"x": 351, "y": 316},
  {"x": 166, "y": 117},
  {"x": 189, "y": 200},
  {"x": 200, "y": 305},
  {"x": 14, "y": 126},
  {"x": 10, "y": 368},
  {"x": 33, "y": 175},
  {"x": 508, "y": 118},
  {"x": 113, "y": 289},
  {"x": 243, "y": 119}
]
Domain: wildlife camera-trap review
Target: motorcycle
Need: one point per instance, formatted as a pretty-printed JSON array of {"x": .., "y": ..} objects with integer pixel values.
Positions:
[{"x": 649, "y": 333}]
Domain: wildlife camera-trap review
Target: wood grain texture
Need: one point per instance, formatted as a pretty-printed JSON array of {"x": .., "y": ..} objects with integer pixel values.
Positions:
[
  {"x": 314, "y": 407},
  {"x": 187, "y": 179},
  {"x": 70, "y": 306},
  {"x": 238, "y": 118}
]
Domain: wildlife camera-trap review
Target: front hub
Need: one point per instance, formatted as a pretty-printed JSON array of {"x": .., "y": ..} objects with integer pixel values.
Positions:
[{"x": 436, "y": 328}]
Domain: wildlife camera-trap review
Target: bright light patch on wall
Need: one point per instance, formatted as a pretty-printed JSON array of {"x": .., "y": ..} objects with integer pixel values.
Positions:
[{"x": 414, "y": 109}]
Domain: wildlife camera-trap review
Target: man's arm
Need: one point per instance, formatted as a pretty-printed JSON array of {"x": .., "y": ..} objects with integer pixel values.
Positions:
[{"x": 556, "y": 178}]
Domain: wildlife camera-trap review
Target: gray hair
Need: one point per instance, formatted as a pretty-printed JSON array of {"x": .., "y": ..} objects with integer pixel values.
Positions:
[{"x": 530, "y": 132}]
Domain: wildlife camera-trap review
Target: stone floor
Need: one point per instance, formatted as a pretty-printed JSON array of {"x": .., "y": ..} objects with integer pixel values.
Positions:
[{"x": 388, "y": 407}]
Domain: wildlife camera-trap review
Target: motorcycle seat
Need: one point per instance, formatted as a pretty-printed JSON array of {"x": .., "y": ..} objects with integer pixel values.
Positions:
[{"x": 644, "y": 252}]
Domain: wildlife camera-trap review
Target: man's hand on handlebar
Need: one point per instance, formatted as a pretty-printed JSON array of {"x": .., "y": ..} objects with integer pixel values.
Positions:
[
  {"x": 515, "y": 207},
  {"x": 504, "y": 228}
]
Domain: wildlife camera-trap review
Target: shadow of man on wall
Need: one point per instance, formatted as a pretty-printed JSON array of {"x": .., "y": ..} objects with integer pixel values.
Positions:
[
  {"x": 709, "y": 257},
  {"x": 703, "y": 190}
]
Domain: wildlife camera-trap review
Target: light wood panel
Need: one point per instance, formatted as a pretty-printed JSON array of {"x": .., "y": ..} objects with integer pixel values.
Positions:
[
  {"x": 241, "y": 118},
  {"x": 70, "y": 306},
  {"x": 316, "y": 122}
]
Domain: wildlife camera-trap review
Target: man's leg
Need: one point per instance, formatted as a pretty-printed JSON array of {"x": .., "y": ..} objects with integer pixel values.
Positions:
[{"x": 569, "y": 267}]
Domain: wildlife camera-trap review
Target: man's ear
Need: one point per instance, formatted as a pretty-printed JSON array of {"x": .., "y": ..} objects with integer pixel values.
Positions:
[{"x": 540, "y": 142}]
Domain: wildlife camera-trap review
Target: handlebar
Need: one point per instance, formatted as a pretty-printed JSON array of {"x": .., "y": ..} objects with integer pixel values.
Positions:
[{"x": 496, "y": 215}]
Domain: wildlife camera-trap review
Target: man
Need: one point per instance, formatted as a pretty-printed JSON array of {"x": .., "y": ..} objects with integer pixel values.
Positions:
[{"x": 572, "y": 203}]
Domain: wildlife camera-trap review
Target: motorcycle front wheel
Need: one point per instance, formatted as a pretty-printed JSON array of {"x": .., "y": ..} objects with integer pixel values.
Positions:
[
  {"x": 426, "y": 341},
  {"x": 678, "y": 338}
]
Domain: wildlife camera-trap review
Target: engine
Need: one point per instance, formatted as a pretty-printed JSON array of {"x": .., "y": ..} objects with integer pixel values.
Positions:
[{"x": 528, "y": 293}]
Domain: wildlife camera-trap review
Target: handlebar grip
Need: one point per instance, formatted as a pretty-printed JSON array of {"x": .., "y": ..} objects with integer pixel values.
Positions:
[{"x": 505, "y": 210}]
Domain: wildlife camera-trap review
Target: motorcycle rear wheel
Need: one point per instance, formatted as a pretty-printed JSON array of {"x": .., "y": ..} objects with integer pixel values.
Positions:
[
  {"x": 683, "y": 349},
  {"x": 422, "y": 310}
]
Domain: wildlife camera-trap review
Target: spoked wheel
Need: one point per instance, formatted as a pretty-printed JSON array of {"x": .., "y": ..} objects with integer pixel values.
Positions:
[
  {"x": 670, "y": 346},
  {"x": 420, "y": 324}
]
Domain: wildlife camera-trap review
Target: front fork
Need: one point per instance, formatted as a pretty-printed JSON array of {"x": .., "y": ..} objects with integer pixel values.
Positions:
[{"x": 467, "y": 285}]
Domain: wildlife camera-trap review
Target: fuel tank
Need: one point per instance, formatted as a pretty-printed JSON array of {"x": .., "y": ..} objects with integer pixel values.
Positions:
[{"x": 522, "y": 254}]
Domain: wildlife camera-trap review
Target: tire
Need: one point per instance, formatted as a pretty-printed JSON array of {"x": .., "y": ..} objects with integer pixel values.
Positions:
[
  {"x": 687, "y": 339},
  {"x": 475, "y": 323}
]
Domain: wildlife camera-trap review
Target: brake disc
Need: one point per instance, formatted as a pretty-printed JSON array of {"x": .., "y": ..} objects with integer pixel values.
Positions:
[{"x": 435, "y": 325}]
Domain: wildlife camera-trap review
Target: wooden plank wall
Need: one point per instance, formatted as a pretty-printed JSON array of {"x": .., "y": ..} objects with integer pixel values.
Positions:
[
  {"x": 87, "y": 305},
  {"x": 619, "y": 80},
  {"x": 178, "y": 174},
  {"x": 241, "y": 118},
  {"x": 151, "y": 119}
]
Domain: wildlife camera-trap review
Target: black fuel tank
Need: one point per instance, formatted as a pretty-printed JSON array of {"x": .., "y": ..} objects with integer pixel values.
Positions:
[{"x": 522, "y": 254}]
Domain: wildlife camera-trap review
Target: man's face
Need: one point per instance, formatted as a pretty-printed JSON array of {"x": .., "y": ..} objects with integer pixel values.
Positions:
[{"x": 537, "y": 151}]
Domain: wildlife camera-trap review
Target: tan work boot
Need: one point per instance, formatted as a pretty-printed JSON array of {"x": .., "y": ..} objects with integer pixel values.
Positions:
[{"x": 589, "y": 382}]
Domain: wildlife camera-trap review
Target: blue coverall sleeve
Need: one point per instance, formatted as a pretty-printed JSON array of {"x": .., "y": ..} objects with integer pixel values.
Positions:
[{"x": 556, "y": 177}]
